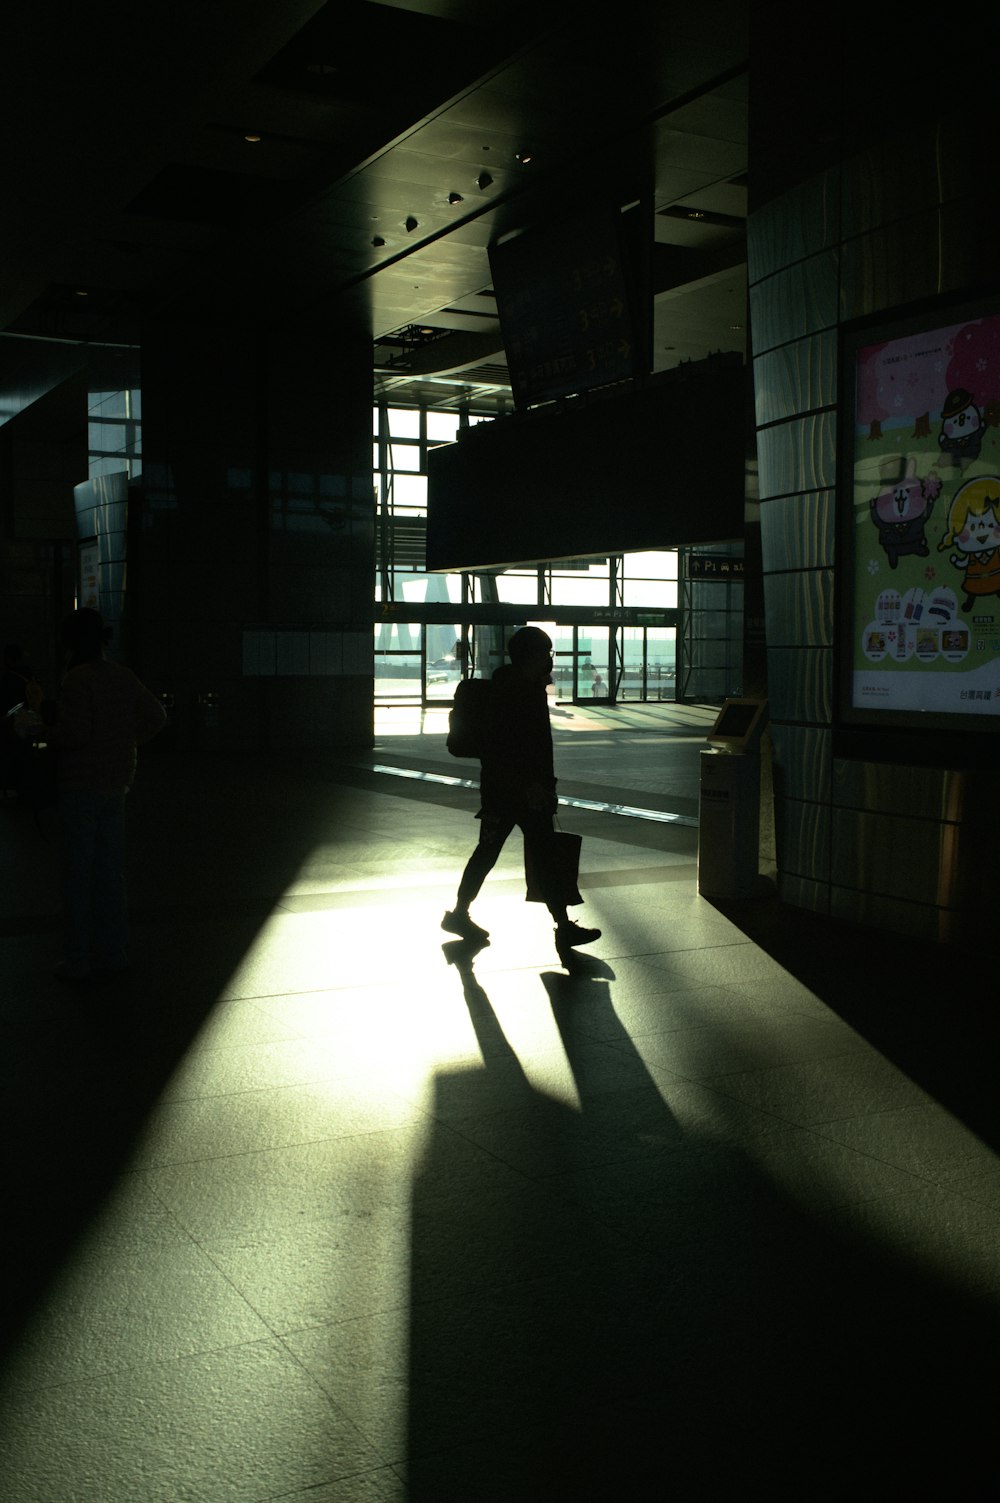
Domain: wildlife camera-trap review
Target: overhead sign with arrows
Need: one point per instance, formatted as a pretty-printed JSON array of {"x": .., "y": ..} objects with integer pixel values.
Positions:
[{"x": 563, "y": 298}]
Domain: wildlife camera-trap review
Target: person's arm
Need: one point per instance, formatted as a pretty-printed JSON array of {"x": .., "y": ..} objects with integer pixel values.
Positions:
[{"x": 150, "y": 716}]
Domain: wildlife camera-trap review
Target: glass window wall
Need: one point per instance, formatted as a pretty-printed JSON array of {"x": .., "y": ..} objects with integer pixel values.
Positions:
[{"x": 590, "y": 652}]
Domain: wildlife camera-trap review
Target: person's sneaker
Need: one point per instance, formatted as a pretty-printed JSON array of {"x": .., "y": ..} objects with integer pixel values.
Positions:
[
  {"x": 569, "y": 935},
  {"x": 462, "y": 925}
]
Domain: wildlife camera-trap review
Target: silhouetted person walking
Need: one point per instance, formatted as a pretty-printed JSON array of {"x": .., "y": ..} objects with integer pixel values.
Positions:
[
  {"x": 102, "y": 713},
  {"x": 518, "y": 787}
]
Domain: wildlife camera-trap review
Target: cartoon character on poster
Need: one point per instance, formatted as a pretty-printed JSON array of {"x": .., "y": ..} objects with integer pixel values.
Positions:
[
  {"x": 901, "y": 512},
  {"x": 962, "y": 427},
  {"x": 974, "y": 531}
]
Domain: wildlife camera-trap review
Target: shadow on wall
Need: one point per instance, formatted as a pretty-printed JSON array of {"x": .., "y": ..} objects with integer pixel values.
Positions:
[{"x": 629, "y": 1308}]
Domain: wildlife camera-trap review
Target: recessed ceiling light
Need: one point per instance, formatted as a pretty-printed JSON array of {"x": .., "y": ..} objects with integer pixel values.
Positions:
[
  {"x": 411, "y": 224},
  {"x": 483, "y": 180},
  {"x": 455, "y": 198},
  {"x": 252, "y": 138},
  {"x": 524, "y": 157}
]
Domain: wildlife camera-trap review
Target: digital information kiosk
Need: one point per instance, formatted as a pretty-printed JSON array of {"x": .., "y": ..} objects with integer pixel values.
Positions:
[{"x": 729, "y": 802}]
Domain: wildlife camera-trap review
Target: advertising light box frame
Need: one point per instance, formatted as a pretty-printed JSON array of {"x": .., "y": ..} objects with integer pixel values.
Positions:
[{"x": 918, "y": 581}]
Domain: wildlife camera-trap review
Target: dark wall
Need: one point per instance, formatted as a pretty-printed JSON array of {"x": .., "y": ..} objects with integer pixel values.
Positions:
[
  {"x": 872, "y": 189},
  {"x": 659, "y": 466},
  {"x": 252, "y": 559},
  {"x": 43, "y": 455}
]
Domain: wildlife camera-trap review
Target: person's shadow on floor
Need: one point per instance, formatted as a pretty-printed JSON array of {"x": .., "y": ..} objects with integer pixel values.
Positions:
[{"x": 615, "y": 1301}]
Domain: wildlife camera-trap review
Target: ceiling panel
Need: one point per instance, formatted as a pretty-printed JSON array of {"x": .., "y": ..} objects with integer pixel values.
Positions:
[{"x": 369, "y": 111}]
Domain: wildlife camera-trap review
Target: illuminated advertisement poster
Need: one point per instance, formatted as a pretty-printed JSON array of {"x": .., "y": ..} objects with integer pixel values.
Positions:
[{"x": 925, "y": 523}]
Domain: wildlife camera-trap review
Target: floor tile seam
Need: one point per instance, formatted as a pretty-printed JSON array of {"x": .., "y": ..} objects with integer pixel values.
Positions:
[
  {"x": 647, "y": 955},
  {"x": 343, "y": 1413},
  {"x": 771, "y": 1014},
  {"x": 985, "y": 1202},
  {"x": 170, "y": 1100},
  {"x": 753, "y": 1166},
  {"x": 152, "y": 1166},
  {"x": 929, "y": 1104},
  {"x": 260, "y": 1049},
  {"x": 144, "y": 1178},
  {"x": 727, "y": 1026},
  {"x": 267, "y": 1338},
  {"x": 625, "y": 1046},
  {"x": 311, "y": 991},
  {"x": 766, "y": 1066},
  {"x": 276, "y": 1335},
  {"x": 538, "y": 969},
  {"x": 713, "y": 1084},
  {"x": 919, "y": 1179},
  {"x": 537, "y": 1283},
  {"x": 347, "y": 1076},
  {"x": 311, "y": 1489},
  {"x": 498, "y": 1158},
  {"x": 938, "y": 1182},
  {"x": 472, "y": 1292},
  {"x": 152, "y": 1162}
]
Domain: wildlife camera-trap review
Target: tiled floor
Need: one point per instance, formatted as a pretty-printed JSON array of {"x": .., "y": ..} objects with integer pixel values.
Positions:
[{"x": 318, "y": 1206}]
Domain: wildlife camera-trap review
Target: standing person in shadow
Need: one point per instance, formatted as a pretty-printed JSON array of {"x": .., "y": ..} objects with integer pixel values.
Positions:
[
  {"x": 518, "y": 787},
  {"x": 101, "y": 714},
  {"x": 18, "y": 691}
]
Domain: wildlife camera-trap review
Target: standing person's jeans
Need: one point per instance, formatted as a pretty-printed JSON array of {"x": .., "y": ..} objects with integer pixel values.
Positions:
[{"x": 93, "y": 838}]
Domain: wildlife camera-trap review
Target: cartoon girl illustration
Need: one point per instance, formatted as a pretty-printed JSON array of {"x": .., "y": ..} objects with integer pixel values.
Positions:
[{"x": 974, "y": 530}]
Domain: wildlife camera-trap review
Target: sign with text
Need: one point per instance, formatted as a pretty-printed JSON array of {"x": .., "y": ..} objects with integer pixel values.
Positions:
[
  {"x": 708, "y": 566},
  {"x": 924, "y": 523}
]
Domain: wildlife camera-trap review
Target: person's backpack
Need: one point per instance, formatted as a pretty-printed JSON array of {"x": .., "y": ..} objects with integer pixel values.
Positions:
[{"x": 467, "y": 719}]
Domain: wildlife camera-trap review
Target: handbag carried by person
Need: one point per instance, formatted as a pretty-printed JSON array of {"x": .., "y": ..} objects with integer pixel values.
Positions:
[{"x": 565, "y": 857}]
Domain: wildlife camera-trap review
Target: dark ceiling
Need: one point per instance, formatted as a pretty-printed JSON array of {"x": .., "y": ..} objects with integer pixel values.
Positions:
[{"x": 388, "y": 153}]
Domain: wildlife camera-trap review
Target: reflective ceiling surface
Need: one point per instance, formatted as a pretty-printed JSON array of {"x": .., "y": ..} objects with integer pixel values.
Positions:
[{"x": 320, "y": 163}]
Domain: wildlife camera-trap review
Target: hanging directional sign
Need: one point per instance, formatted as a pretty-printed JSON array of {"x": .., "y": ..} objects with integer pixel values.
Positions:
[
  {"x": 562, "y": 296},
  {"x": 713, "y": 566}
]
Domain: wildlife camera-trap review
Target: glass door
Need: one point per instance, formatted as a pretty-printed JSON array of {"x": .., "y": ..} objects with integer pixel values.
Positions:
[
  {"x": 581, "y": 670},
  {"x": 661, "y": 662},
  {"x": 398, "y": 662},
  {"x": 632, "y": 685},
  {"x": 593, "y": 665},
  {"x": 649, "y": 664}
]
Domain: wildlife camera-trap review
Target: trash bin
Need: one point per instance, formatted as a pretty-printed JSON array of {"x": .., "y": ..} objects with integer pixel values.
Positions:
[{"x": 729, "y": 802}]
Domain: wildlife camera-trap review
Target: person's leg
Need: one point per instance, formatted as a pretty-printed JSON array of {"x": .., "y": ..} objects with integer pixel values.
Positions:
[
  {"x": 110, "y": 950},
  {"x": 539, "y": 847},
  {"x": 78, "y": 822},
  {"x": 493, "y": 832}
]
